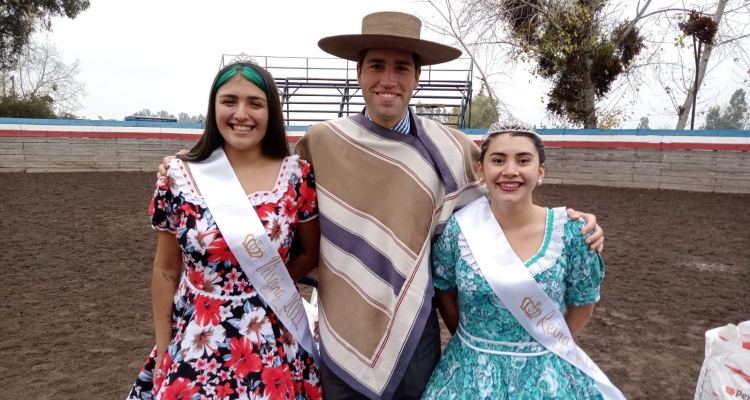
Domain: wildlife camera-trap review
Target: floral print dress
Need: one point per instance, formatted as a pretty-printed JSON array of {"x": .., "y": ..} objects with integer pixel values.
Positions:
[
  {"x": 564, "y": 268},
  {"x": 226, "y": 341}
]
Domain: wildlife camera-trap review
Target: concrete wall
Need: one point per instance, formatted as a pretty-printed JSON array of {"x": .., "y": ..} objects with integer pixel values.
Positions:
[
  {"x": 710, "y": 171},
  {"x": 695, "y": 170},
  {"x": 56, "y": 154}
]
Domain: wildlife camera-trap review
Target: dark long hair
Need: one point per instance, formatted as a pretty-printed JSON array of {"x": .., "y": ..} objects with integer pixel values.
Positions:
[{"x": 274, "y": 143}]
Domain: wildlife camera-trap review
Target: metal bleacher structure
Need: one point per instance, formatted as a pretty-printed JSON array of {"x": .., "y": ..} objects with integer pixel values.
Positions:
[{"x": 314, "y": 89}]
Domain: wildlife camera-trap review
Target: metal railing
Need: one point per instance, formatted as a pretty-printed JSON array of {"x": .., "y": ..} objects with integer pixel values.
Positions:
[{"x": 317, "y": 89}]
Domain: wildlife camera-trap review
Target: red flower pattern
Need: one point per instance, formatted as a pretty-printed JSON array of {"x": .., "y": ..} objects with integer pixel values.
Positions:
[
  {"x": 234, "y": 366},
  {"x": 207, "y": 310},
  {"x": 181, "y": 388},
  {"x": 219, "y": 251},
  {"x": 224, "y": 390},
  {"x": 313, "y": 392},
  {"x": 244, "y": 360},
  {"x": 279, "y": 383}
]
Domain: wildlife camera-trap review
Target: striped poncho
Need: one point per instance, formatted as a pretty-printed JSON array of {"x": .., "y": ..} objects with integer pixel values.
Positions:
[{"x": 382, "y": 197}]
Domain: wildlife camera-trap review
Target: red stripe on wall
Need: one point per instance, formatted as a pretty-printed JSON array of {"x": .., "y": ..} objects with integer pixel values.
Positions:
[
  {"x": 647, "y": 145},
  {"x": 110, "y": 135},
  {"x": 294, "y": 139},
  {"x": 100, "y": 135}
]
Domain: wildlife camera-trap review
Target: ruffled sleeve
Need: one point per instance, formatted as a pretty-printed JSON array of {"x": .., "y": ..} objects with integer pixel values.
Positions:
[
  {"x": 445, "y": 256},
  {"x": 163, "y": 207},
  {"x": 307, "y": 202},
  {"x": 586, "y": 268}
]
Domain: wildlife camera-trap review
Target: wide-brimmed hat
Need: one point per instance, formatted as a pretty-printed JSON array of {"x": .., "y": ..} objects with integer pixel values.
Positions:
[{"x": 389, "y": 30}]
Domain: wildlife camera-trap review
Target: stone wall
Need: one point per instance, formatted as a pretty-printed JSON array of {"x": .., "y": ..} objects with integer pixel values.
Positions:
[{"x": 696, "y": 170}]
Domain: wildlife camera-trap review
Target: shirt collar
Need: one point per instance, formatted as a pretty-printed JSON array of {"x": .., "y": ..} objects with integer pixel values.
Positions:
[{"x": 402, "y": 127}]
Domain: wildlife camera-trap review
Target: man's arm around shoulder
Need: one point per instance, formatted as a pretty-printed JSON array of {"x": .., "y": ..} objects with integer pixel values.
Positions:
[
  {"x": 471, "y": 153},
  {"x": 303, "y": 148}
]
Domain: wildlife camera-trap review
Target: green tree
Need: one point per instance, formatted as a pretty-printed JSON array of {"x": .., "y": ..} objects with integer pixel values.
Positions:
[
  {"x": 14, "y": 106},
  {"x": 733, "y": 115},
  {"x": 481, "y": 113},
  {"x": 20, "y": 18},
  {"x": 580, "y": 46},
  {"x": 643, "y": 124},
  {"x": 574, "y": 48}
]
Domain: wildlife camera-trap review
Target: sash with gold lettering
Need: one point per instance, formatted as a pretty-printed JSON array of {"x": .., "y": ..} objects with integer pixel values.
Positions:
[
  {"x": 512, "y": 282},
  {"x": 251, "y": 246}
]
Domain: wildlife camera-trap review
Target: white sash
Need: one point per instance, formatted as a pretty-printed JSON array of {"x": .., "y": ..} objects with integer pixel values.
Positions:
[
  {"x": 251, "y": 246},
  {"x": 513, "y": 284}
]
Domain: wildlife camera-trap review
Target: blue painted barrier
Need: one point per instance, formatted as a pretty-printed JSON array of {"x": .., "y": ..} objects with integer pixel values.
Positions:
[{"x": 561, "y": 131}]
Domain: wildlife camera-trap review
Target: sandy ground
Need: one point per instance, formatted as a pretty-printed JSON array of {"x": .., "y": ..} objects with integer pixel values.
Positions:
[{"x": 76, "y": 266}]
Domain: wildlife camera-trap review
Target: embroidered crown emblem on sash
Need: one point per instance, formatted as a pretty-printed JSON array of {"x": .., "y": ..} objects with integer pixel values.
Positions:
[
  {"x": 253, "y": 246},
  {"x": 530, "y": 308}
]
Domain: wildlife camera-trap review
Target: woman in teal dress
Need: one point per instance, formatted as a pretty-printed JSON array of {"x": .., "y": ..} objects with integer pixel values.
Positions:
[{"x": 491, "y": 356}]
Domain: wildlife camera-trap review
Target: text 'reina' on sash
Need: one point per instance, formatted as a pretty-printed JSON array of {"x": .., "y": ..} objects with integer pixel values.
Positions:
[{"x": 512, "y": 282}]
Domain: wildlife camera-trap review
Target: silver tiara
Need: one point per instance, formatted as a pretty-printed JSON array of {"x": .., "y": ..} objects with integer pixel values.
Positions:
[
  {"x": 242, "y": 57},
  {"x": 510, "y": 124}
]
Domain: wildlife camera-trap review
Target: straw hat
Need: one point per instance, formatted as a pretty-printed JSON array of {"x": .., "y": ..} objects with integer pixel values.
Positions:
[{"x": 389, "y": 30}]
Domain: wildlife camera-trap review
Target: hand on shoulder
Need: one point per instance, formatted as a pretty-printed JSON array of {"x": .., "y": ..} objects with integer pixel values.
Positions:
[
  {"x": 164, "y": 166},
  {"x": 596, "y": 240}
]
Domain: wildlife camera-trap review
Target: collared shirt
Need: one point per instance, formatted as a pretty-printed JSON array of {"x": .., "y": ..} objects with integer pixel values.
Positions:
[{"x": 402, "y": 127}]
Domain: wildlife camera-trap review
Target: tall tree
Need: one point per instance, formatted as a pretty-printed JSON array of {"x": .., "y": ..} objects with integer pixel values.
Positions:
[
  {"x": 579, "y": 46},
  {"x": 666, "y": 63},
  {"x": 20, "y": 18},
  {"x": 576, "y": 49},
  {"x": 41, "y": 71},
  {"x": 707, "y": 32},
  {"x": 732, "y": 117},
  {"x": 674, "y": 68},
  {"x": 702, "y": 30}
]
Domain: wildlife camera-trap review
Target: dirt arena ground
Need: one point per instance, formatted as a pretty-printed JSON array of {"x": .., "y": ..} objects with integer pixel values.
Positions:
[{"x": 75, "y": 262}]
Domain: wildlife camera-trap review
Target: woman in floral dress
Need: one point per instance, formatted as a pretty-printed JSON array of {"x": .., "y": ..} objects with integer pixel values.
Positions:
[
  {"x": 216, "y": 337},
  {"x": 491, "y": 355}
]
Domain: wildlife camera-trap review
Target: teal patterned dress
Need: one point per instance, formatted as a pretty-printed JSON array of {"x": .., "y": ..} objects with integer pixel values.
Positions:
[{"x": 492, "y": 356}]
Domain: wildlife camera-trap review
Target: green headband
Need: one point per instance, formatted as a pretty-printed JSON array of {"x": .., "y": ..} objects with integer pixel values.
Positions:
[{"x": 248, "y": 73}]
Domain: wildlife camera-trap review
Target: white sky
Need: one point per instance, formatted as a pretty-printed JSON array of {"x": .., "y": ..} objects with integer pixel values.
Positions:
[{"x": 163, "y": 55}]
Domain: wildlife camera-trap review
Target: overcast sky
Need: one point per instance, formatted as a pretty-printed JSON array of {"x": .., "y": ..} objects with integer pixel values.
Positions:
[{"x": 163, "y": 55}]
